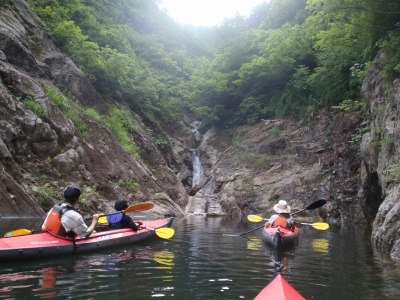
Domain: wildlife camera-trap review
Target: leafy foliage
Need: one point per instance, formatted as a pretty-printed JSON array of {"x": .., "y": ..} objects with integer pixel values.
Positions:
[
  {"x": 390, "y": 46},
  {"x": 254, "y": 160},
  {"x": 393, "y": 173},
  {"x": 35, "y": 107},
  {"x": 350, "y": 106},
  {"x": 129, "y": 183},
  {"x": 46, "y": 194},
  {"x": 287, "y": 58},
  {"x": 69, "y": 109},
  {"x": 121, "y": 126},
  {"x": 5, "y": 2},
  {"x": 57, "y": 98},
  {"x": 115, "y": 45}
]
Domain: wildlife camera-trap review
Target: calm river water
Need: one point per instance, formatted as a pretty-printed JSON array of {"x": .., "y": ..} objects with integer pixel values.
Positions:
[{"x": 202, "y": 261}]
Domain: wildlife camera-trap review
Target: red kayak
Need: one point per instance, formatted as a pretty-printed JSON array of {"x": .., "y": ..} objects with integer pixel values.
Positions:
[
  {"x": 279, "y": 289},
  {"x": 280, "y": 236},
  {"x": 46, "y": 244}
]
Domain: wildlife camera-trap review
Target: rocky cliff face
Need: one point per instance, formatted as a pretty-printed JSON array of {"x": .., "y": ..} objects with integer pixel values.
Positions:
[
  {"x": 380, "y": 166},
  {"x": 279, "y": 159},
  {"x": 40, "y": 155}
]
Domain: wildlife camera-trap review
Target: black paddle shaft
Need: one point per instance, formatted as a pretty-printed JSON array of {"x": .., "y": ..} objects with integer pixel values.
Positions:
[
  {"x": 254, "y": 229},
  {"x": 314, "y": 205}
]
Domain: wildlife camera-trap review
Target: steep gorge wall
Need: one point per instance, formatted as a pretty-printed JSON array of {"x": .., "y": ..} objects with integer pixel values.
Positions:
[
  {"x": 380, "y": 168},
  {"x": 49, "y": 151},
  {"x": 280, "y": 159}
]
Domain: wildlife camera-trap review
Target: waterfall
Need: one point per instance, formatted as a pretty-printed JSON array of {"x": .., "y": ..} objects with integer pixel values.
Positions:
[{"x": 197, "y": 169}]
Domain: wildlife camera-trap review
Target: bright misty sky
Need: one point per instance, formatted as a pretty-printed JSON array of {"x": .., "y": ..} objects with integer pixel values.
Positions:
[{"x": 207, "y": 12}]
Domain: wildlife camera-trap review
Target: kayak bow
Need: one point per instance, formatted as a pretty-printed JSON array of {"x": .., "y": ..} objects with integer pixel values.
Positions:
[{"x": 279, "y": 289}]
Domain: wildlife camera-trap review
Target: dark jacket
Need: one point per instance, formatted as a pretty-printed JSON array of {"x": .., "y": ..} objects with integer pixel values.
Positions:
[{"x": 126, "y": 222}]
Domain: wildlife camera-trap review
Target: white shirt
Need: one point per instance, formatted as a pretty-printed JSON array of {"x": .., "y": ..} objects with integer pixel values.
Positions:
[{"x": 72, "y": 221}]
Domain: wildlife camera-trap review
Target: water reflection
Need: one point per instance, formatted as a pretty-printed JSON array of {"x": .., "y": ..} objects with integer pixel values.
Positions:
[
  {"x": 320, "y": 245},
  {"x": 48, "y": 283},
  {"x": 254, "y": 243},
  {"x": 203, "y": 261},
  {"x": 165, "y": 259}
]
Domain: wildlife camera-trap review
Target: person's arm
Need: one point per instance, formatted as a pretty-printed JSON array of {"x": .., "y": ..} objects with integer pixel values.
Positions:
[
  {"x": 271, "y": 220},
  {"x": 92, "y": 225},
  {"x": 128, "y": 223},
  {"x": 291, "y": 222}
]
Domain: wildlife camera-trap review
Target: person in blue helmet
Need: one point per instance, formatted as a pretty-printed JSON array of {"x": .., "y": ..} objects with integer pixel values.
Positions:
[{"x": 121, "y": 220}]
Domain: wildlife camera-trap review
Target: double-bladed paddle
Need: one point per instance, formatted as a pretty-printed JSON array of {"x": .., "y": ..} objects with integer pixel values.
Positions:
[
  {"x": 318, "y": 225},
  {"x": 133, "y": 208},
  {"x": 314, "y": 205},
  {"x": 163, "y": 232}
]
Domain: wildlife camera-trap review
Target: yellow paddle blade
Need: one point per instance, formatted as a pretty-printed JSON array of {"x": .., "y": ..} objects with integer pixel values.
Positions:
[
  {"x": 254, "y": 218},
  {"x": 102, "y": 220},
  {"x": 318, "y": 225},
  {"x": 164, "y": 233},
  {"x": 18, "y": 232}
]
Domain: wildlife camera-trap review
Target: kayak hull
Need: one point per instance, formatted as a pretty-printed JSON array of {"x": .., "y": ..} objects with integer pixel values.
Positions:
[
  {"x": 279, "y": 237},
  {"x": 45, "y": 244},
  {"x": 279, "y": 289}
]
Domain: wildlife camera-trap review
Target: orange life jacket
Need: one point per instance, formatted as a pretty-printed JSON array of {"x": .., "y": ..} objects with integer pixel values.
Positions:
[
  {"x": 53, "y": 222},
  {"x": 280, "y": 221}
]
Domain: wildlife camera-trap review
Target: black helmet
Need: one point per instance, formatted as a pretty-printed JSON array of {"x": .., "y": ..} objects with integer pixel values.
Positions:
[
  {"x": 72, "y": 192},
  {"x": 120, "y": 204}
]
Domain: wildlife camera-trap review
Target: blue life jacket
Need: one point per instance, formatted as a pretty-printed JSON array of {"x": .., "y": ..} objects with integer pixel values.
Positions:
[{"x": 115, "y": 219}]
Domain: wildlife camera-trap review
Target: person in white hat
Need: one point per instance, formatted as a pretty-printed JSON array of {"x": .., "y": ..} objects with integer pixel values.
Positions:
[{"x": 282, "y": 217}]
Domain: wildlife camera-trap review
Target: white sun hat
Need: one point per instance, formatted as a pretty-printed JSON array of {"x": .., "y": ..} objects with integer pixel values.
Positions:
[{"x": 282, "y": 207}]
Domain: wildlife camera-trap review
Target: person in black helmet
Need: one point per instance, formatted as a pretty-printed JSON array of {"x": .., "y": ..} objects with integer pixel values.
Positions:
[
  {"x": 65, "y": 220},
  {"x": 122, "y": 220}
]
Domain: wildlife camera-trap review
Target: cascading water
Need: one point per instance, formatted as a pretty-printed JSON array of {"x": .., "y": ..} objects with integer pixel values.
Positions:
[{"x": 197, "y": 168}]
